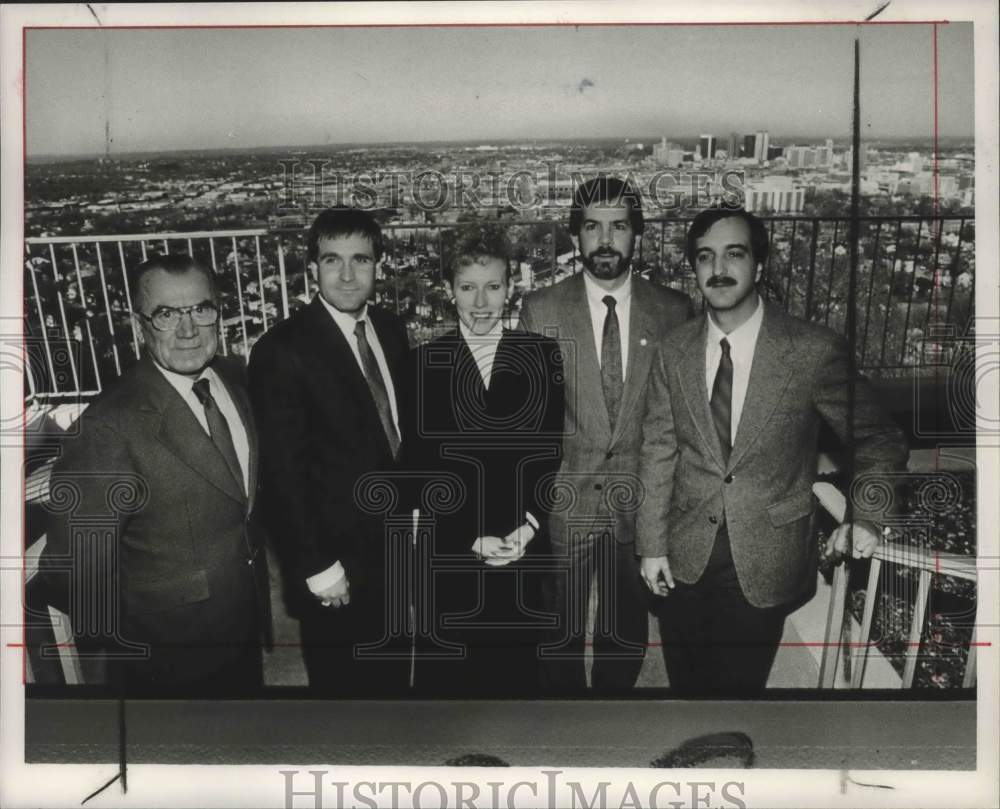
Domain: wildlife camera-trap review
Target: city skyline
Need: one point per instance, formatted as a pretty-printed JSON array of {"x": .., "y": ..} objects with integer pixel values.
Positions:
[{"x": 208, "y": 89}]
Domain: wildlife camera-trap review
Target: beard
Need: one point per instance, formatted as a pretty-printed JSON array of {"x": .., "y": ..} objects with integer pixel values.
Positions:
[{"x": 603, "y": 267}]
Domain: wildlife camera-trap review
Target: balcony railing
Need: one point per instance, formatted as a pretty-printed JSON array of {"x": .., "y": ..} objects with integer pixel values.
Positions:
[
  {"x": 916, "y": 280},
  {"x": 852, "y": 645}
]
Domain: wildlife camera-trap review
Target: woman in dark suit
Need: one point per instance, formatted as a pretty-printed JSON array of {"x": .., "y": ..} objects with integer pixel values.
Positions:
[{"x": 485, "y": 420}]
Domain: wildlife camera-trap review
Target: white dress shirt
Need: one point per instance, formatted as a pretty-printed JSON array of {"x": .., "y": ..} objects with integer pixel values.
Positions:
[
  {"x": 742, "y": 344},
  {"x": 483, "y": 347},
  {"x": 347, "y": 323},
  {"x": 599, "y": 312},
  {"x": 184, "y": 385}
]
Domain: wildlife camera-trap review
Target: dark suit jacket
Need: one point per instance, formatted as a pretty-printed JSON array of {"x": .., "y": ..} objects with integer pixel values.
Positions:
[
  {"x": 494, "y": 450},
  {"x": 600, "y": 467},
  {"x": 320, "y": 432},
  {"x": 502, "y": 444},
  {"x": 144, "y": 474},
  {"x": 798, "y": 379}
]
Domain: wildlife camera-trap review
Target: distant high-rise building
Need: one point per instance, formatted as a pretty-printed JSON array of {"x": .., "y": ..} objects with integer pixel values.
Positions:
[
  {"x": 706, "y": 146},
  {"x": 761, "y": 144},
  {"x": 774, "y": 195},
  {"x": 733, "y": 148},
  {"x": 749, "y": 145}
]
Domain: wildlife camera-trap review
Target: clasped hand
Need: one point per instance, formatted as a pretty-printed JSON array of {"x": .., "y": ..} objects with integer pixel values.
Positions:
[{"x": 496, "y": 552}]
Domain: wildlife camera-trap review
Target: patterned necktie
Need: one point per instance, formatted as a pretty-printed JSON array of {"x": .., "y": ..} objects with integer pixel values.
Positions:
[
  {"x": 376, "y": 384},
  {"x": 218, "y": 429},
  {"x": 722, "y": 400},
  {"x": 611, "y": 362}
]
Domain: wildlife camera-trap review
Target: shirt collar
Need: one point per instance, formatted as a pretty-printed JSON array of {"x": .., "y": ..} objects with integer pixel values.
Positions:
[
  {"x": 183, "y": 384},
  {"x": 743, "y": 335},
  {"x": 492, "y": 336},
  {"x": 344, "y": 320},
  {"x": 596, "y": 294}
]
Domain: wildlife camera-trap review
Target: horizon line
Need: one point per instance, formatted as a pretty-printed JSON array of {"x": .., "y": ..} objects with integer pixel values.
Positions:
[{"x": 483, "y": 141}]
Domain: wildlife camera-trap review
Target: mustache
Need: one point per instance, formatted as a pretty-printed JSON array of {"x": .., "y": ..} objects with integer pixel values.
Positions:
[{"x": 721, "y": 281}]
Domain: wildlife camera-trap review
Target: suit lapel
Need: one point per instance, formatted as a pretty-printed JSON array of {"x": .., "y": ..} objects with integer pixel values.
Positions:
[
  {"x": 575, "y": 324},
  {"x": 769, "y": 376},
  {"x": 181, "y": 434},
  {"x": 333, "y": 344},
  {"x": 691, "y": 374},
  {"x": 640, "y": 353}
]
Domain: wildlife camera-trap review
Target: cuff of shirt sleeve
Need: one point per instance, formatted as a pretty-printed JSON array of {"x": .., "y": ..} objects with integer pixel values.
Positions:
[
  {"x": 326, "y": 579},
  {"x": 531, "y": 520}
]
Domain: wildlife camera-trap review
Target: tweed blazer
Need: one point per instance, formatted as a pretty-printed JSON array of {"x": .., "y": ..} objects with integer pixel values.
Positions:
[
  {"x": 144, "y": 503},
  {"x": 597, "y": 484},
  {"x": 798, "y": 379}
]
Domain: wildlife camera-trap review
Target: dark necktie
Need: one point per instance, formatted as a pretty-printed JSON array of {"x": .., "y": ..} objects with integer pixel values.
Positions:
[
  {"x": 722, "y": 400},
  {"x": 611, "y": 362},
  {"x": 376, "y": 384},
  {"x": 218, "y": 429}
]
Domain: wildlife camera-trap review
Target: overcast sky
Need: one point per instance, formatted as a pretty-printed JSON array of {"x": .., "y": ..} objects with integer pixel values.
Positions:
[{"x": 212, "y": 88}]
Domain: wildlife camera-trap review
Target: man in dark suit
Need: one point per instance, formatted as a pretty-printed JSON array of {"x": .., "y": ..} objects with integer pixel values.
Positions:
[
  {"x": 608, "y": 322},
  {"x": 152, "y": 503},
  {"x": 324, "y": 387},
  {"x": 729, "y": 450}
]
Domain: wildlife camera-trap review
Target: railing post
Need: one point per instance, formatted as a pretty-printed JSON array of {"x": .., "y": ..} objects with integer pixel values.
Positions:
[
  {"x": 239, "y": 298},
  {"x": 916, "y": 628},
  {"x": 969, "y": 678},
  {"x": 43, "y": 328},
  {"x": 871, "y": 288},
  {"x": 812, "y": 268},
  {"x": 107, "y": 309},
  {"x": 871, "y": 597},
  {"x": 128, "y": 300},
  {"x": 909, "y": 300},
  {"x": 282, "y": 277},
  {"x": 833, "y": 263},
  {"x": 833, "y": 637}
]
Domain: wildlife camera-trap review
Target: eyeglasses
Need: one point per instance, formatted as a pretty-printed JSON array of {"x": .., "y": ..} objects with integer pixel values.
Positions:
[{"x": 168, "y": 318}]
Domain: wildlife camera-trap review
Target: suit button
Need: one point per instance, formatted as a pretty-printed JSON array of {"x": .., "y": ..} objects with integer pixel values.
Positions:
[
  {"x": 598, "y": 487},
  {"x": 728, "y": 479},
  {"x": 609, "y": 456},
  {"x": 713, "y": 519}
]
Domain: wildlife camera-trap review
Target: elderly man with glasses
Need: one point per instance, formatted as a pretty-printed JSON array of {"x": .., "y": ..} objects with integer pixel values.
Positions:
[{"x": 152, "y": 548}]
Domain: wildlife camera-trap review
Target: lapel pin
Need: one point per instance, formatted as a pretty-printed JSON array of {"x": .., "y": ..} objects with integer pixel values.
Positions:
[{"x": 642, "y": 341}]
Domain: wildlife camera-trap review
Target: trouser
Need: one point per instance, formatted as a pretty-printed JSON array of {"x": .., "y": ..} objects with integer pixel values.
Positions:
[
  {"x": 621, "y": 629},
  {"x": 181, "y": 670},
  {"x": 714, "y": 640},
  {"x": 350, "y": 651}
]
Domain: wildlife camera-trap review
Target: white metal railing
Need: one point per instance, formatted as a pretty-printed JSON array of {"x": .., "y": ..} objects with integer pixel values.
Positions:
[
  {"x": 79, "y": 331},
  {"x": 928, "y": 564}
]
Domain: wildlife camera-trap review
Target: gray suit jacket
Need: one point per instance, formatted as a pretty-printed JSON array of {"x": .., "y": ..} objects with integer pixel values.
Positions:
[
  {"x": 145, "y": 475},
  {"x": 798, "y": 378},
  {"x": 597, "y": 484}
]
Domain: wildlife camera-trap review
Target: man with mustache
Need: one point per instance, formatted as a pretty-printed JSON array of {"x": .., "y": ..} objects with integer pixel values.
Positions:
[
  {"x": 607, "y": 321},
  {"x": 729, "y": 451}
]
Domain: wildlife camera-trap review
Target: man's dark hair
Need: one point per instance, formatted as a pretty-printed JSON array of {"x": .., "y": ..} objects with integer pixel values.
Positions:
[
  {"x": 475, "y": 246},
  {"x": 172, "y": 263},
  {"x": 336, "y": 223},
  {"x": 609, "y": 190},
  {"x": 702, "y": 223}
]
